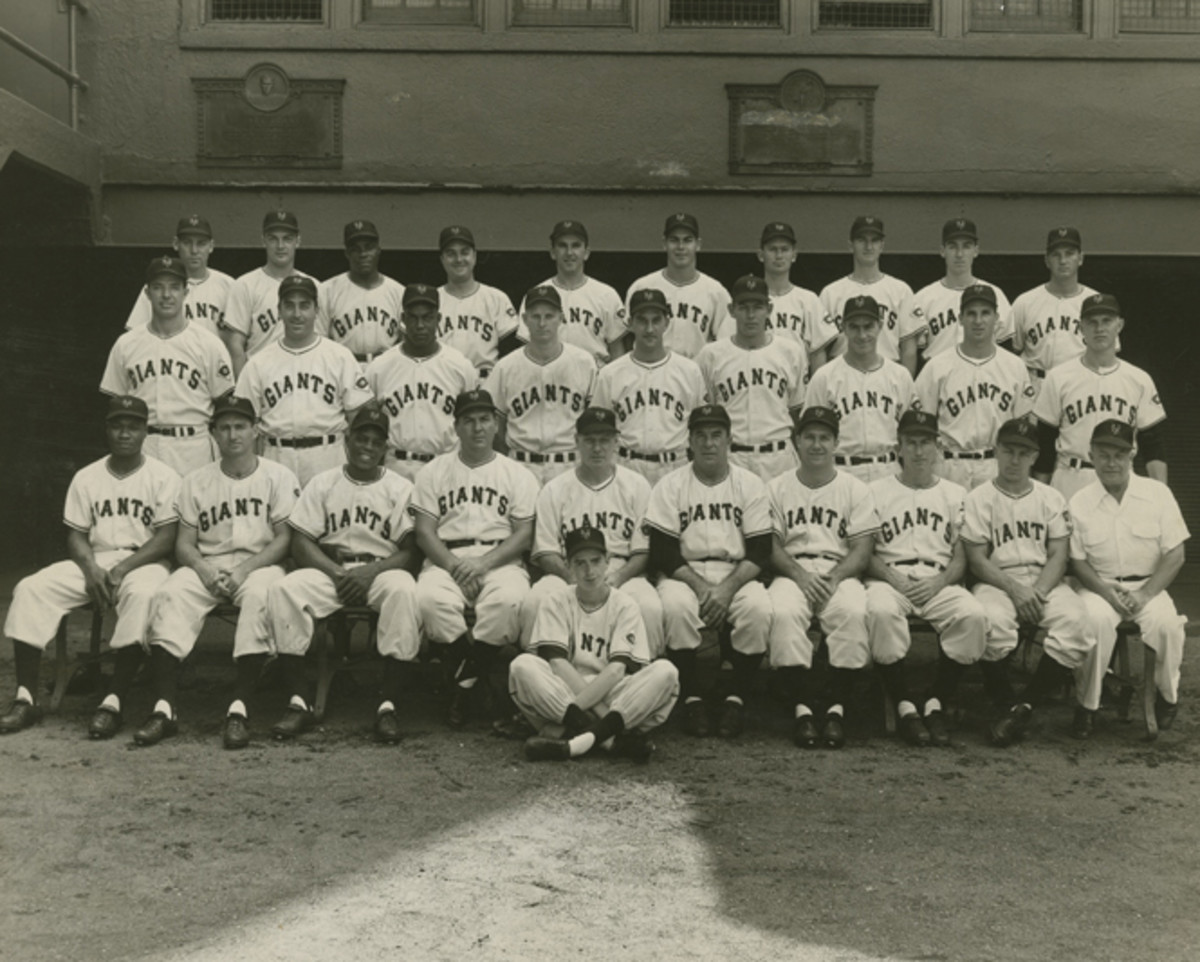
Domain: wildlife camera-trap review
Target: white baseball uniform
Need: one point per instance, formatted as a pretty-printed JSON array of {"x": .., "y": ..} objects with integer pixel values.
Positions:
[
  {"x": 253, "y": 308},
  {"x": 593, "y": 315},
  {"x": 798, "y": 314},
  {"x": 366, "y": 321},
  {"x": 697, "y": 309},
  {"x": 119, "y": 514},
  {"x": 476, "y": 323},
  {"x": 900, "y": 319},
  {"x": 940, "y": 306},
  {"x": 203, "y": 303},
  {"x": 1046, "y": 328}
]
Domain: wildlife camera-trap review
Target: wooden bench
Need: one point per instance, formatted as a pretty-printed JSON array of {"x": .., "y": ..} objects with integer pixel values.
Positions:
[{"x": 63, "y": 672}]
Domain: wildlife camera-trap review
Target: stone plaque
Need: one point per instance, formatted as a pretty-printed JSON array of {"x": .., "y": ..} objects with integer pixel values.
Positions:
[
  {"x": 800, "y": 126},
  {"x": 268, "y": 119}
]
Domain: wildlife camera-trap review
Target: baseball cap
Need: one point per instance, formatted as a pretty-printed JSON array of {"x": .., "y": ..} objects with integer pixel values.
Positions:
[
  {"x": 420, "y": 294},
  {"x": 230, "y": 404},
  {"x": 371, "y": 416},
  {"x": 585, "y": 536},
  {"x": 569, "y": 228},
  {"x": 866, "y": 225},
  {"x": 708, "y": 414},
  {"x": 978, "y": 292},
  {"x": 648, "y": 297},
  {"x": 166, "y": 265},
  {"x": 960, "y": 227},
  {"x": 913, "y": 421},
  {"x": 1118, "y": 434},
  {"x": 297, "y": 283},
  {"x": 127, "y": 406},
  {"x": 862, "y": 306},
  {"x": 596, "y": 420},
  {"x": 1063, "y": 237},
  {"x": 1018, "y": 431},
  {"x": 281, "y": 218},
  {"x": 455, "y": 234},
  {"x": 681, "y": 222},
  {"x": 750, "y": 288},
  {"x": 195, "y": 224},
  {"x": 359, "y": 228},
  {"x": 1099, "y": 304},
  {"x": 477, "y": 400},
  {"x": 816, "y": 414},
  {"x": 777, "y": 229},
  {"x": 543, "y": 294}
]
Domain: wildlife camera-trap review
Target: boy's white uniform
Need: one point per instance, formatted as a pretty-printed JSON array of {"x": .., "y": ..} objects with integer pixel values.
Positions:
[
  {"x": 798, "y": 314},
  {"x": 203, "y": 303},
  {"x": 698, "y": 308},
  {"x": 475, "y": 324},
  {"x": 899, "y": 319},
  {"x": 366, "y": 321},
  {"x": 593, "y": 315},
  {"x": 941, "y": 306},
  {"x": 252, "y": 309}
]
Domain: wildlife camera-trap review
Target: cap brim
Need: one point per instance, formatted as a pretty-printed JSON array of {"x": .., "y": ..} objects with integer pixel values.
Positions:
[
  {"x": 113, "y": 415},
  {"x": 707, "y": 423},
  {"x": 432, "y": 302},
  {"x": 960, "y": 235},
  {"x": 978, "y": 299},
  {"x": 472, "y": 408},
  {"x": 557, "y": 305},
  {"x": 867, "y": 230},
  {"x": 1113, "y": 443},
  {"x": 869, "y": 315},
  {"x": 1065, "y": 242},
  {"x": 926, "y": 432},
  {"x": 1019, "y": 442},
  {"x": 360, "y": 235},
  {"x": 193, "y": 232}
]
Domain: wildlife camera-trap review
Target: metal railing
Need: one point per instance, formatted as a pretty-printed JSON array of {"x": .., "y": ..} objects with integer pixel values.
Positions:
[{"x": 75, "y": 83}]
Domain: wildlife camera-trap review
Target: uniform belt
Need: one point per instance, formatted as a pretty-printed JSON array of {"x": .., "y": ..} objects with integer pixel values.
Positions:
[
  {"x": 865, "y": 458},
  {"x": 356, "y": 558},
  {"x": 971, "y": 455},
  {"x": 1037, "y": 372},
  {"x": 817, "y": 556},
  {"x": 1132, "y": 578},
  {"x": 759, "y": 448},
  {"x": 315, "y": 442},
  {"x": 411, "y": 456},
  {"x": 663, "y": 457},
  {"x": 181, "y": 431},
  {"x": 917, "y": 561},
  {"x": 1078, "y": 463},
  {"x": 367, "y": 358},
  {"x": 563, "y": 457},
  {"x": 467, "y": 543}
]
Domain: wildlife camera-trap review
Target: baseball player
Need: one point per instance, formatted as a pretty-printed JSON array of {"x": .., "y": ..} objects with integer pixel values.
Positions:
[
  {"x": 916, "y": 568},
  {"x": 1016, "y": 532},
  {"x": 609, "y": 498},
  {"x": 542, "y": 389},
  {"x": 652, "y": 390},
  {"x": 758, "y": 377},
  {"x": 1126, "y": 549},
  {"x": 207, "y": 288},
  {"x": 178, "y": 368},
  {"x": 697, "y": 302},
  {"x": 939, "y": 302},
  {"x": 1081, "y": 392},
  {"x": 868, "y": 391},
  {"x": 710, "y": 537},
  {"x": 972, "y": 389},
  {"x": 250, "y": 322},
  {"x": 233, "y": 540},
  {"x": 824, "y": 526},
  {"x": 361, "y": 308},
  {"x": 417, "y": 382},
  {"x": 478, "y": 320},
  {"x": 593, "y": 314},
  {"x": 121, "y": 520},
  {"x": 581, "y": 683},
  {"x": 901, "y": 323},
  {"x": 304, "y": 386},
  {"x": 473, "y": 514},
  {"x": 352, "y": 541}
]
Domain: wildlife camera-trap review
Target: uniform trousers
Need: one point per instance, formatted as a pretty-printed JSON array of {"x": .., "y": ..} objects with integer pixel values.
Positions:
[
  {"x": 749, "y": 613},
  {"x": 843, "y": 619},
  {"x": 441, "y": 603},
  {"x": 955, "y": 614}
]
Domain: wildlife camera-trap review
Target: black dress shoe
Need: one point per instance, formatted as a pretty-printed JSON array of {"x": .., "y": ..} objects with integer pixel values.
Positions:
[
  {"x": 105, "y": 723},
  {"x": 157, "y": 727},
  {"x": 935, "y": 724},
  {"x": 460, "y": 700},
  {"x": 914, "y": 731},
  {"x": 236, "y": 732},
  {"x": 1081, "y": 727},
  {"x": 1165, "y": 712},
  {"x": 634, "y": 745},
  {"x": 21, "y": 715},
  {"x": 514, "y": 727},
  {"x": 695, "y": 718},
  {"x": 833, "y": 732},
  {"x": 805, "y": 732},
  {"x": 539, "y": 749},
  {"x": 387, "y": 728},
  {"x": 295, "y": 721},
  {"x": 1010, "y": 726},
  {"x": 733, "y": 719}
]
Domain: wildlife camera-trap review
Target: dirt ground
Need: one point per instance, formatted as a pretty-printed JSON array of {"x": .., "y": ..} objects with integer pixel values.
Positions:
[{"x": 451, "y": 846}]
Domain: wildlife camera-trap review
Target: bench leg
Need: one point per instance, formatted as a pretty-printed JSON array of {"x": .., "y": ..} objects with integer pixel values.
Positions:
[
  {"x": 1149, "y": 690},
  {"x": 325, "y": 671},
  {"x": 889, "y": 713}
]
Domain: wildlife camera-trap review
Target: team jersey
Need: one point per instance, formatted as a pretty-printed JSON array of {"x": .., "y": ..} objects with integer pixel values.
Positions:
[
  {"x": 120, "y": 512},
  {"x": 355, "y": 517},
  {"x": 939, "y": 304},
  {"x": 541, "y": 400},
  {"x": 178, "y": 375},
  {"x": 1075, "y": 399},
  {"x": 972, "y": 397},
  {"x": 475, "y": 503},
  {"x": 1016, "y": 528},
  {"x": 1046, "y": 326},
  {"x": 592, "y": 637},
  {"x": 363, "y": 320},
  {"x": 203, "y": 303},
  {"x": 759, "y": 386},
  {"x": 252, "y": 308},
  {"x": 870, "y": 403},
  {"x": 418, "y": 394},
  {"x": 1126, "y": 538},
  {"x": 652, "y": 400},
  {"x": 917, "y": 524},
  {"x": 303, "y": 392},
  {"x": 236, "y": 516},
  {"x": 711, "y": 521},
  {"x": 797, "y": 314},
  {"x": 476, "y": 323},
  {"x": 614, "y": 507},
  {"x": 697, "y": 309},
  {"x": 821, "y": 522},
  {"x": 900, "y": 319},
  {"x": 593, "y": 315}
]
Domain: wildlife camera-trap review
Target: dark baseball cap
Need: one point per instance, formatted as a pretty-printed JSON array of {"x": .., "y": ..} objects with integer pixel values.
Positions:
[
  {"x": 959, "y": 227},
  {"x": 913, "y": 421},
  {"x": 750, "y": 288},
  {"x": 477, "y": 400},
  {"x": 648, "y": 297},
  {"x": 864, "y": 305},
  {"x": 681, "y": 222},
  {"x": 359, "y": 228},
  {"x": 1018, "y": 431},
  {"x": 978, "y": 292},
  {"x": 455, "y": 234},
  {"x": 1063, "y": 237},
  {"x": 866, "y": 225},
  {"x": 582, "y": 538},
  {"x": 371, "y": 416},
  {"x": 281, "y": 218},
  {"x": 596, "y": 421},
  {"x": 1117, "y": 434},
  {"x": 1099, "y": 304},
  {"x": 827, "y": 417},
  {"x": 420, "y": 294},
  {"x": 231, "y": 404},
  {"x": 195, "y": 224},
  {"x": 569, "y": 228},
  {"x": 166, "y": 264},
  {"x": 543, "y": 294},
  {"x": 777, "y": 229},
  {"x": 127, "y": 406},
  {"x": 297, "y": 283},
  {"x": 708, "y": 414}
]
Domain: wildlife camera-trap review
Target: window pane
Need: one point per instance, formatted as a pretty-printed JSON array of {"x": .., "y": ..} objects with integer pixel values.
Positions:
[
  {"x": 875, "y": 14},
  {"x": 275, "y": 11},
  {"x": 724, "y": 13},
  {"x": 1160, "y": 16},
  {"x": 571, "y": 12},
  {"x": 419, "y": 11},
  {"x": 1033, "y": 16}
]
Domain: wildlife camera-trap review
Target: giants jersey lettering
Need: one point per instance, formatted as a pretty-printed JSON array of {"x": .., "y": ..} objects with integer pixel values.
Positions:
[
  {"x": 541, "y": 400},
  {"x": 821, "y": 522},
  {"x": 711, "y": 521},
  {"x": 615, "y": 508},
  {"x": 121, "y": 511},
  {"x": 940, "y": 306},
  {"x": 477, "y": 503},
  {"x": 475, "y": 324},
  {"x": 364, "y": 321},
  {"x": 303, "y": 392},
  {"x": 917, "y": 523},
  {"x": 900, "y": 317},
  {"x": 697, "y": 309},
  {"x": 1075, "y": 399},
  {"x": 870, "y": 403},
  {"x": 252, "y": 309},
  {"x": 652, "y": 400},
  {"x": 203, "y": 303},
  {"x": 757, "y": 386},
  {"x": 237, "y": 516},
  {"x": 593, "y": 315},
  {"x": 355, "y": 517},
  {"x": 1046, "y": 326},
  {"x": 798, "y": 314},
  {"x": 418, "y": 394},
  {"x": 972, "y": 397},
  {"x": 178, "y": 376},
  {"x": 1016, "y": 528},
  {"x": 592, "y": 637}
]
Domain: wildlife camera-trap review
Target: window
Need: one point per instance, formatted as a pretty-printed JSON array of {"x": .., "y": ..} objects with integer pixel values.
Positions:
[
  {"x": 266, "y": 11},
  {"x": 1160, "y": 16},
  {"x": 724, "y": 13},
  {"x": 875, "y": 14},
  {"x": 1032, "y": 16},
  {"x": 419, "y": 11},
  {"x": 571, "y": 13}
]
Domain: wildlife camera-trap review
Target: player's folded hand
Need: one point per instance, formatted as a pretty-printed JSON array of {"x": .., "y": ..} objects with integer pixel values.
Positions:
[
  {"x": 96, "y": 584},
  {"x": 921, "y": 591}
]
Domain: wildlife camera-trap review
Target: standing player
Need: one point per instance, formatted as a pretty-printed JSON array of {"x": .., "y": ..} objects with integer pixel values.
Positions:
[
  {"x": 232, "y": 543},
  {"x": 901, "y": 324},
  {"x": 305, "y": 387},
  {"x": 697, "y": 302},
  {"x": 824, "y": 523},
  {"x": 593, "y": 315},
  {"x": 417, "y": 382},
  {"x": 581, "y": 683},
  {"x": 473, "y": 512},
  {"x": 916, "y": 568},
  {"x": 179, "y": 370},
  {"x": 1079, "y": 393},
  {"x": 207, "y": 288},
  {"x": 361, "y": 308},
  {"x": 972, "y": 389},
  {"x": 710, "y": 537},
  {"x": 758, "y": 377},
  {"x": 478, "y": 320},
  {"x": 651, "y": 389},
  {"x": 542, "y": 389},
  {"x": 121, "y": 520},
  {"x": 870, "y": 393},
  {"x": 939, "y": 303},
  {"x": 352, "y": 540}
]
